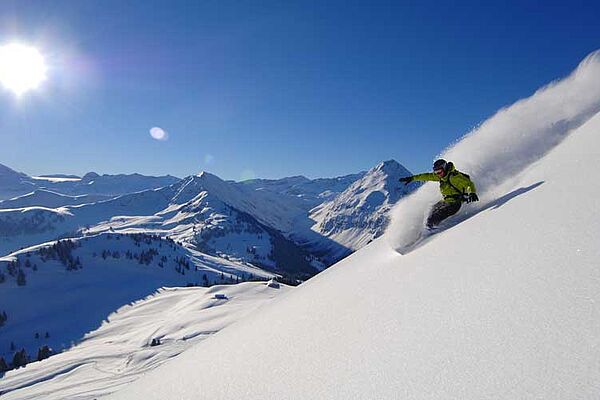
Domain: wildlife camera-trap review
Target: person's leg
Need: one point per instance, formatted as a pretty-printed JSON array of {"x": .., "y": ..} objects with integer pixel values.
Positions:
[{"x": 440, "y": 211}]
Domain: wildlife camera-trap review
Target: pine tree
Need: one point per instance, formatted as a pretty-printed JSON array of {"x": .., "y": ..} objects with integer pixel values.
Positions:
[
  {"x": 44, "y": 352},
  {"x": 3, "y": 365},
  {"x": 21, "y": 280},
  {"x": 20, "y": 359}
]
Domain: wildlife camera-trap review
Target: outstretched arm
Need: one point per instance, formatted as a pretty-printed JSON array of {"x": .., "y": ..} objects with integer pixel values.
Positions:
[{"x": 427, "y": 176}]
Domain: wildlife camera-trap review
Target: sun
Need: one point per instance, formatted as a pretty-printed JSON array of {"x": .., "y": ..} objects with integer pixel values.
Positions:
[{"x": 22, "y": 68}]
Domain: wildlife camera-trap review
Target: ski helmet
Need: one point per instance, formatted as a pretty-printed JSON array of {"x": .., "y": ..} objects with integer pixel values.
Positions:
[{"x": 440, "y": 164}]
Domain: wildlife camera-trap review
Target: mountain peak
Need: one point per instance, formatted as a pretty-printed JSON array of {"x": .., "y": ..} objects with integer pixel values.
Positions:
[
  {"x": 390, "y": 167},
  {"x": 6, "y": 171},
  {"x": 204, "y": 176},
  {"x": 89, "y": 176}
]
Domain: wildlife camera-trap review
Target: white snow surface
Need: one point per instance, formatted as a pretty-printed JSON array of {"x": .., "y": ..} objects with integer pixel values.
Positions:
[
  {"x": 70, "y": 303},
  {"x": 56, "y": 179},
  {"x": 503, "y": 305},
  {"x": 119, "y": 351}
]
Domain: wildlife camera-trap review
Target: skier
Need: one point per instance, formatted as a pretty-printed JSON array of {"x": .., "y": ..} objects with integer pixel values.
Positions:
[{"x": 455, "y": 186}]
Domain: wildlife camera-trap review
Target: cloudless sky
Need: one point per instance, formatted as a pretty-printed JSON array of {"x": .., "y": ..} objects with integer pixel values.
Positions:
[{"x": 274, "y": 88}]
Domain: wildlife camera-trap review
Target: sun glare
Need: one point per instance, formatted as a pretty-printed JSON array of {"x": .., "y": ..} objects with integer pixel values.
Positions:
[{"x": 22, "y": 68}]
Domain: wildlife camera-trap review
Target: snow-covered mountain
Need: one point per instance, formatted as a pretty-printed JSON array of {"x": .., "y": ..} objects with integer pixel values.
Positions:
[
  {"x": 270, "y": 208},
  {"x": 312, "y": 191},
  {"x": 67, "y": 288},
  {"x": 93, "y": 183},
  {"x": 359, "y": 214},
  {"x": 216, "y": 217},
  {"x": 259, "y": 221},
  {"x": 201, "y": 211},
  {"x": 58, "y": 177},
  {"x": 502, "y": 304},
  {"x": 47, "y": 198},
  {"x": 14, "y": 184}
]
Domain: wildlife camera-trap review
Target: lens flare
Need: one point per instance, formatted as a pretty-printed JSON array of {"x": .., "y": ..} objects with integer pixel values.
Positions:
[
  {"x": 22, "y": 68},
  {"x": 159, "y": 133}
]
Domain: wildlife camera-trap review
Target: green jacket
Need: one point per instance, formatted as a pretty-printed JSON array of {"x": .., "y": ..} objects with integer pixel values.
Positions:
[{"x": 453, "y": 185}]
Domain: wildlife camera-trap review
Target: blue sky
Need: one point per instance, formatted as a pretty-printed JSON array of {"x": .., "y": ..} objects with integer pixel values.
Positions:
[{"x": 271, "y": 88}]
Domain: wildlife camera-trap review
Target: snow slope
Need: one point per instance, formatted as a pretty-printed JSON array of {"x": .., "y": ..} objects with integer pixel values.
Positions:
[
  {"x": 504, "y": 305},
  {"x": 69, "y": 300},
  {"x": 508, "y": 142},
  {"x": 13, "y": 183},
  {"x": 47, "y": 198},
  {"x": 119, "y": 351}
]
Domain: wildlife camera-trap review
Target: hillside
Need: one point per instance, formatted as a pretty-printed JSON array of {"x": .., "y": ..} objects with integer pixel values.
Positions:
[
  {"x": 95, "y": 276},
  {"x": 501, "y": 305},
  {"x": 47, "y": 198},
  {"x": 137, "y": 344},
  {"x": 13, "y": 183}
]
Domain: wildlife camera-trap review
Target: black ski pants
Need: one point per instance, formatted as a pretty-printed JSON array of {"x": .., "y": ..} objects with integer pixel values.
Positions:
[{"x": 440, "y": 211}]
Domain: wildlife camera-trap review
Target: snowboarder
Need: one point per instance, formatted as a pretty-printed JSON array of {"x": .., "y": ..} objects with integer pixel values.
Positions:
[{"x": 456, "y": 188}]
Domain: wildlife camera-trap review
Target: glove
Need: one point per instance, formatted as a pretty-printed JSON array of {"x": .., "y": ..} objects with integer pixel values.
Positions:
[
  {"x": 472, "y": 197},
  {"x": 406, "y": 180}
]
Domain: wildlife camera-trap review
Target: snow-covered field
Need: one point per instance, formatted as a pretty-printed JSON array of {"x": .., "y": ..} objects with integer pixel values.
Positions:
[
  {"x": 120, "y": 351},
  {"x": 54, "y": 294}
]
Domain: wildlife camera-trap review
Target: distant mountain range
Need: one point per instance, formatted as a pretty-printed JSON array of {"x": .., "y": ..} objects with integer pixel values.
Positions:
[
  {"x": 14, "y": 184},
  {"x": 292, "y": 225}
]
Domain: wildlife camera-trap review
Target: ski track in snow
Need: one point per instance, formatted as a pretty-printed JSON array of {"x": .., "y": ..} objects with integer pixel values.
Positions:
[{"x": 505, "y": 145}]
